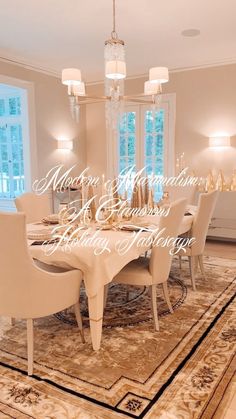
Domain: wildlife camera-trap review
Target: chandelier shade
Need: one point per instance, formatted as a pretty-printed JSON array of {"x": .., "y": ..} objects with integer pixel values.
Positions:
[
  {"x": 71, "y": 76},
  {"x": 152, "y": 88},
  {"x": 158, "y": 75},
  {"x": 115, "y": 70},
  {"x": 115, "y": 74}
]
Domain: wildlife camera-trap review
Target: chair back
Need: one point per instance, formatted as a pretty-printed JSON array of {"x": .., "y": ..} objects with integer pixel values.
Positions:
[
  {"x": 206, "y": 205},
  {"x": 16, "y": 265},
  {"x": 27, "y": 290},
  {"x": 34, "y": 206},
  {"x": 161, "y": 257}
]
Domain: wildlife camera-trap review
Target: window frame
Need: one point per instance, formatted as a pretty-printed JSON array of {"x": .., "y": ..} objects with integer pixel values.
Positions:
[
  {"x": 28, "y": 133},
  {"x": 168, "y": 103}
]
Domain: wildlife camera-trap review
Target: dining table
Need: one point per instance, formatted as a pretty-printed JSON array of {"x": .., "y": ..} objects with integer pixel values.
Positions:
[{"x": 98, "y": 264}]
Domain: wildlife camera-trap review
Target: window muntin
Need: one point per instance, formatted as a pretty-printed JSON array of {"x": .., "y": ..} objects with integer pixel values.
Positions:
[
  {"x": 149, "y": 139},
  {"x": 127, "y": 140},
  {"x": 12, "y": 120}
]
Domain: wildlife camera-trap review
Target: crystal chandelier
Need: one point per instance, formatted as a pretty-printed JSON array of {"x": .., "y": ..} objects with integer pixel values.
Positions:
[{"x": 115, "y": 73}]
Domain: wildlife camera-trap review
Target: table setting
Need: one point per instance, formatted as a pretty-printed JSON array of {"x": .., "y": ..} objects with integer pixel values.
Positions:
[{"x": 99, "y": 260}]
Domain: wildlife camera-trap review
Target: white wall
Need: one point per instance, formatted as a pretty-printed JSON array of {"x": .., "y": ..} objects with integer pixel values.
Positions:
[
  {"x": 205, "y": 105},
  {"x": 52, "y": 119}
]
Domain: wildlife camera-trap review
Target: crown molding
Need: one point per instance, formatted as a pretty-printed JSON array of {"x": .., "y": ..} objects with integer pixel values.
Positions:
[
  {"x": 202, "y": 66},
  {"x": 28, "y": 65},
  {"x": 34, "y": 66},
  {"x": 219, "y": 63}
]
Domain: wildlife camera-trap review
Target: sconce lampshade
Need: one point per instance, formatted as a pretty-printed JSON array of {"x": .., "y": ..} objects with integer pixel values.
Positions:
[
  {"x": 115, "y": 70},
  {"x": 71, "y": 76},
  {"x": 65, "y": 145},
  {"x": 223, "y": 141},
  {"x": 158, "y": 75}
]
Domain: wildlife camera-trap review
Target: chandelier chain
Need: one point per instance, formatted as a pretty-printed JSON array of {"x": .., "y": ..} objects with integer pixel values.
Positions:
[{"x": 114, "y": 34}]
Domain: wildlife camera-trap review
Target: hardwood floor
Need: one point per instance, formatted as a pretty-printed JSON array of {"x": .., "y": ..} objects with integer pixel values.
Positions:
[{"x": 220, "y": 249}]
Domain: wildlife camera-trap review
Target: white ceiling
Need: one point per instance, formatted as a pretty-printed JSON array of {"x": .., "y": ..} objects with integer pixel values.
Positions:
[{"x": 53, "y": 34}]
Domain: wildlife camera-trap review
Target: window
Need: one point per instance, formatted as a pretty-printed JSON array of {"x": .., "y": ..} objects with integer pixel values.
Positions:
[
  {"x": 13, "y": 132},
  {"x": 154, "y": 144},
  {"x": 146, "y": 139},
  {"x": 127, "y": 140}
]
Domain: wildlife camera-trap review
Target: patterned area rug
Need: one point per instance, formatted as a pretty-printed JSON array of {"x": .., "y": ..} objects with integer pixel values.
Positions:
[
  {"x": 127, "y": 305},
  {"x": 180, "y": 372}
]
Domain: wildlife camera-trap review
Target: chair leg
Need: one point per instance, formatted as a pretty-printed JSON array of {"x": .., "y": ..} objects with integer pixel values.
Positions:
[
  {"x": 79, "y": 321},
  {"x": 154, "y": 306},
  {"x": 195, "y": 264},
  {"x": 166, "y": 294},
  {"x": 200, "y": 260},
  {"x": 12, "y": 321},
  {"x": 106, "y": 288},
  {"x": 192, "y": 273},
  {"x": 30, "y": 345},
  {"x": 180, "y": 262}
]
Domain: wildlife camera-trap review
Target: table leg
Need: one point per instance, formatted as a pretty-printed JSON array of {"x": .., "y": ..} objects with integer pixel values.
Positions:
[
  {"x": 195, "y": 265},
  {"x": 95, "y": 306}
]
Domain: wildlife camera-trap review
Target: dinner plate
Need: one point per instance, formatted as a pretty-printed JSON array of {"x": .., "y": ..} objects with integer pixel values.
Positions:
[
  {"x": 51, "y": 219},
  {"x": 39, "y": 235},
  {"x": 104, "y": 227},
  {"x": 134, "y": 227}
]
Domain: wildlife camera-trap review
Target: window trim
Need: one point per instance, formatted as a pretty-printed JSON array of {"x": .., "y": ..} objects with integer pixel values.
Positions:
[
  {"x": 169, "y": 104},
  {"x": 30, "y": 145}
]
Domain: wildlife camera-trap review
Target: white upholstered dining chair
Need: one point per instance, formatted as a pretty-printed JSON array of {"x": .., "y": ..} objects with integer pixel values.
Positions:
[
  {"x": 26, "y": 291},
  {"x": 205, "y": 208},
  {"x": 34, "y": 206},
  {"x": 145, "y": 272}
]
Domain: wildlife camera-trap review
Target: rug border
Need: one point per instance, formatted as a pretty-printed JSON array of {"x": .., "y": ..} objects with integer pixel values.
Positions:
[{"x": 160, "y": 391}]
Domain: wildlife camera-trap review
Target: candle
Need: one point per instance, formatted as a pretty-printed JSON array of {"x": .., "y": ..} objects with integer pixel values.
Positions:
[
  {"x": 150, "y": 199},
  {"x": 182, "y": 162},
  {"x": 83, "y": 193},
  {"x": 151, "y": 180},
  {"x": 139, "y": 196},
  {"x": 103, "y": 190},
  {"x": 177, "y": 166}
]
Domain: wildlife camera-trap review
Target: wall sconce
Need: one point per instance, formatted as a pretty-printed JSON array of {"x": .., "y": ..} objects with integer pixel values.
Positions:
[
  {"x": 221, "y": 141},
  {"x": 65, "y": 145}
]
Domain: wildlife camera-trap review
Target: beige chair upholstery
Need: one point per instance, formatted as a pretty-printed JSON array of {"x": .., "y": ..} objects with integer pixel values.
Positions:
[
  {"x": 143, "y": 272},
  {"x": 178, "y": 192},
  {"x": 26, "y": 291},
  {"x": 34, "y": 206},
  {"x": 205, "y": 208}
]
